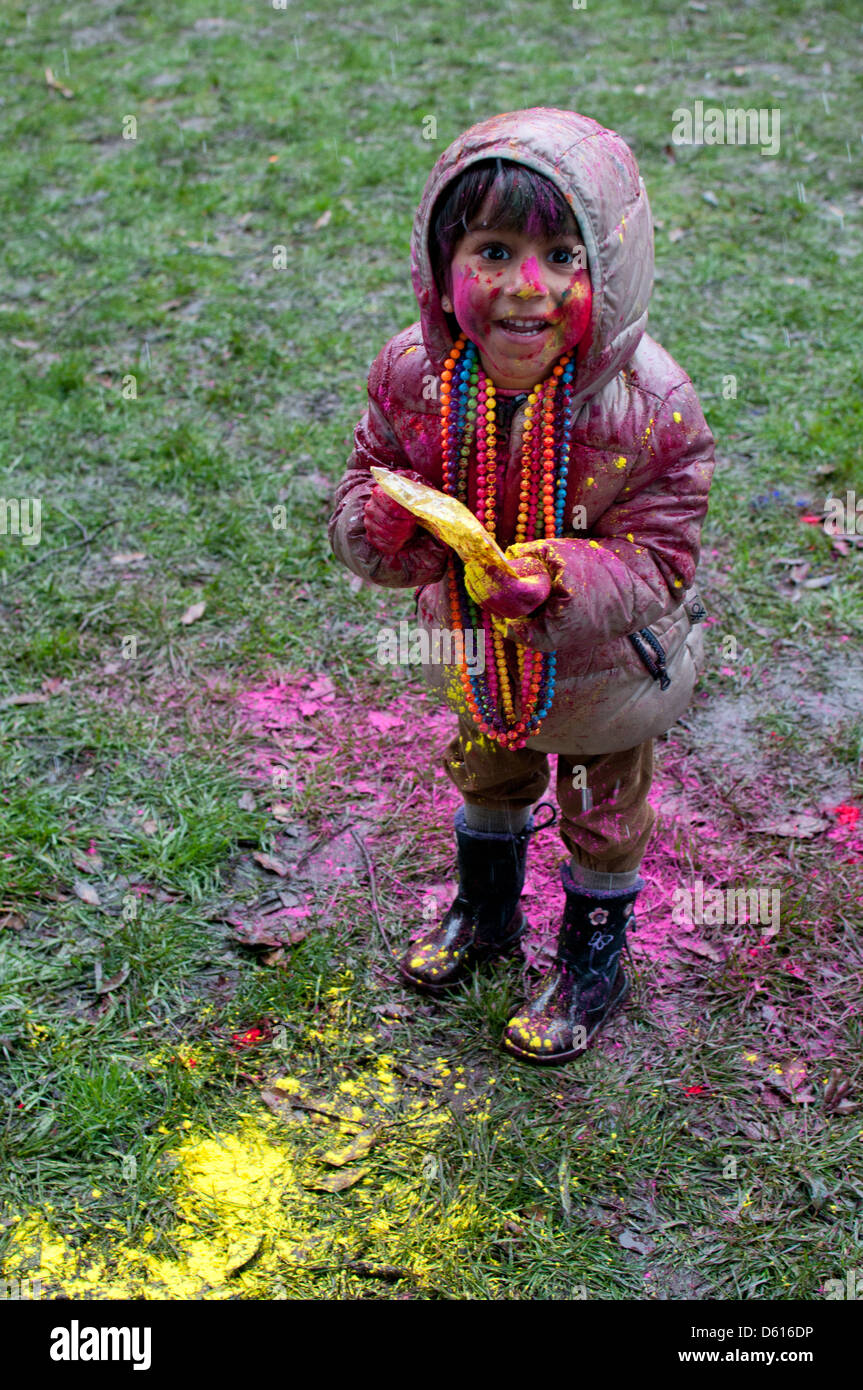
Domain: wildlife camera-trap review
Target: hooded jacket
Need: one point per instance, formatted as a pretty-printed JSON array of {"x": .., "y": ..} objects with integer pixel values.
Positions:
[{"x": 641, "y": 455}]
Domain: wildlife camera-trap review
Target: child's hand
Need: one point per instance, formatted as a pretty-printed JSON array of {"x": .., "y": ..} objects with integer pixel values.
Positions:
[
  {"x": 509, "y": 597},
  {"x": 388, "y": 526}
]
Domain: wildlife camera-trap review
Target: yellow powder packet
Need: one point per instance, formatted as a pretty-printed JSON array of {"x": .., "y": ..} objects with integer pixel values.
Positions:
[{"x": 446, "y": 518}]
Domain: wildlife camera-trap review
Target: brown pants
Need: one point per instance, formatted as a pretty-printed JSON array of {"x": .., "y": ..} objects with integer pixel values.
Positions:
[{"x": 606, "y": 825}]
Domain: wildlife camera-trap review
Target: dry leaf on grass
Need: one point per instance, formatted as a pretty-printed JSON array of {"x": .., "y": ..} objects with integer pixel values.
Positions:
[
  {"x": 339, "y": 1181},
  {"x": 247, "y": 802},
  {"x": 791, "y": 1083},
  {"x": 800, "y": 827},
  {"x": 242, "y": 1255},
  {"x": 115, "y": 981},
  {"x": 58, "y": 86},
  {"x": 277, "y": 958},
  {"x": 282, "y": 1102},
  {"x": 275, "y": 866},
  {"x": 30, "y": 698},
  {"x": 127, "y": 557},
  {"x": 86, "y": 892},
  {"x": 192, "y": 614},
  {"x": 358, "y": 1148},
  {"x": 630, "y": 1240},
  {"x": 698, "y": 946},
  {"x": 836, "y": 1092},
  {"x": 400, "y": 1011},
  {"x": 263, "y": 932}
]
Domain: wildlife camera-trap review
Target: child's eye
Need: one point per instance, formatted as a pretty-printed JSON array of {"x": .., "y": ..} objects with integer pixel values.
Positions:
[
  {"x": 566, "y": 252},
  {"x": 494, "y": 251}
]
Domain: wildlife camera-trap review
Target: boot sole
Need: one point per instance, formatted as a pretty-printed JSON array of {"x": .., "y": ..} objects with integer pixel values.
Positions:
[
  {"x": 557, "y": 1058},
  {"x": 467, "y": 966}
]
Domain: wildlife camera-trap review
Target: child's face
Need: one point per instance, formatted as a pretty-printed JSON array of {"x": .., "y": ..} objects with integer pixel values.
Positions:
[{"x": 523, "y": 300}]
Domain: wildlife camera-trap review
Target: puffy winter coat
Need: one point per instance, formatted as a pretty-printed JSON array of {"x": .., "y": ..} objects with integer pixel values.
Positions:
[{"x": 641, "y": 456}]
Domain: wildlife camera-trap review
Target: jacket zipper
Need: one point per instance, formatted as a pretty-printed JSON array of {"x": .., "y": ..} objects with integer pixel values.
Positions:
[{"x": 655, "y": 664}]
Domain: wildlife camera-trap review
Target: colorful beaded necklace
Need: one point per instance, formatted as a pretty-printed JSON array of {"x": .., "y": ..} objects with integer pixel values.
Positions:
[{"x": 468, "y": 397}]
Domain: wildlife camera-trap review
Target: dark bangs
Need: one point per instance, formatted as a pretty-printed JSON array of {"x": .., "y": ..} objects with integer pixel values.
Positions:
[{"x": 519, "y": 200}]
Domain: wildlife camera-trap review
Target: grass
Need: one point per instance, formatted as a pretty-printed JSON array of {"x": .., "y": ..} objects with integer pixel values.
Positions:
[{"x": 165, "y": 388}]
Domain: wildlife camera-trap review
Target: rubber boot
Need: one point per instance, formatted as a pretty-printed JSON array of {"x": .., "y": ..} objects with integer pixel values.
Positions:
[
  {"x": 587, "y": 982},
  {"x": 484, "y": 920}
]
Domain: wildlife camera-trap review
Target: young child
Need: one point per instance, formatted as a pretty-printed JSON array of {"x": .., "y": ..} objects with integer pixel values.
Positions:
[{"x": 530, "y": 390}]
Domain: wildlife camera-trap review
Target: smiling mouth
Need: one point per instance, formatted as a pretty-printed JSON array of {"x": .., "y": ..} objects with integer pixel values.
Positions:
[{"x": 523, "y": 328}]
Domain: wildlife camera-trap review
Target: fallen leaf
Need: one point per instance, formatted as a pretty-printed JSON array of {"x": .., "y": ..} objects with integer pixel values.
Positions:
[
  {"x": 87, "y": 863},
  {"x": 255, "y": 933},
  {"x": 31, "y": 698},
  {"x": 425, "y": 1078},
  {"x": 86, "y": 892},
  {"x": 58, "y": 86},
  {"x": 279, "y": 1100},
  {"x": 275, "y": 866},
  {"x": 698, "y": 946},
  {"x": 115, "y": 981},
  {"x": 280, "y": 811},
  {"x": 393, "y": 1011},
  {"x": 283, "y": 1106},
  {"x": 242, "y": 1255},
  {"x": 276, "y": 957},
  {"x": 127, "y": 557},
  {"x": 835, "y": 1093},
  {"x": 800, "y": 827},
  {"x": 676, "y": 234},
  {"x": 28, "y": 344},
  {"x": 149, "y": 827},
  {"x": 192, "y": 614},
  {"x": 794, "y": 1074},
  {"x": 818, "y": 1190},
  {"x": 247, "y": 802},
  {"x": 358, "y": 1148},
  {"x": 822, "y": 581},
  {"x": 323, "y": 220},
  {"x": 13, "y": 920},
  {"x": 339, "y": 1181},
  {"x": 630, "y": 1240}
]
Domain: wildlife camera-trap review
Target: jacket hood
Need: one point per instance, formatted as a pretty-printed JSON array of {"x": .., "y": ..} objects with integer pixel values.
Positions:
[{"x": 596, "y": 172}]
